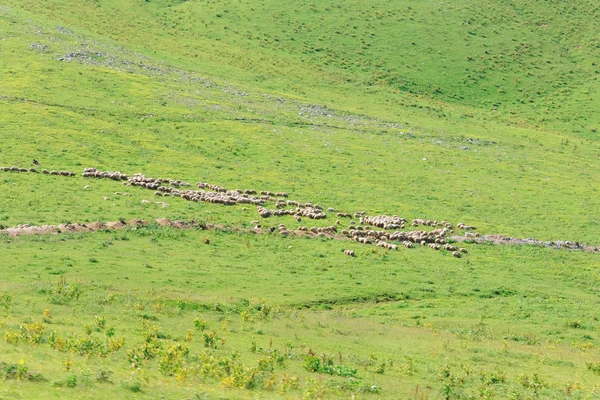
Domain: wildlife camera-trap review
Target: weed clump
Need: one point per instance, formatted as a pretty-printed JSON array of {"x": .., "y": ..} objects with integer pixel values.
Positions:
[
  {"x": 593, "y": 367},
  {"x": 327, "y": 366},
  {"x": 63, "y": 292},
  {"x": 18, "y": 372}
]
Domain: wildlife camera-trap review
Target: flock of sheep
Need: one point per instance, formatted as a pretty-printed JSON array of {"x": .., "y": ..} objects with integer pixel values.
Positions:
[
  {"x": 35, "y": 171},
  {"x": 381, "y": 230},
  {"x": 364, "y": 233}
]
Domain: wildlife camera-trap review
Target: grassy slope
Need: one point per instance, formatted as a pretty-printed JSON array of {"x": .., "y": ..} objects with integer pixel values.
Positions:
[
  {"x": 94, "y": 114},
  {"x": 485, "y": 316},
  {"x": 536, "y": 62},
  {"x": 128, "y": 103}
]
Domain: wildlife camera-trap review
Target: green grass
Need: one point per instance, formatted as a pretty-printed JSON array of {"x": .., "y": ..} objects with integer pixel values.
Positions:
[
  {"x": 470, "y": 112},
  {"x": 455, "y": 314}
]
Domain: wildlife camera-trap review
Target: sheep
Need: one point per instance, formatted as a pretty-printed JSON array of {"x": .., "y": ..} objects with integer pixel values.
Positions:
[
  {"x": 456, "y": 254},
  {"x": 366, "y": 232},
  {"x": 465, "y": 227},
  {"x": 463, "y": 250},
  {"x": 349, "y": 253}
]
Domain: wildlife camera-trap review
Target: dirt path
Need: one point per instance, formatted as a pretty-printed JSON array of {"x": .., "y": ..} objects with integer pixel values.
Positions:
[
  {"x": 220, "y": 195},
  {"x": 24, "y": 230},
  {"x": 505, "y": 240}
]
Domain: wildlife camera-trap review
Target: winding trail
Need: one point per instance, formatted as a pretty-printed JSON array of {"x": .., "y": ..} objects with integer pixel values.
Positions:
[{"x": 24, "y": 230}]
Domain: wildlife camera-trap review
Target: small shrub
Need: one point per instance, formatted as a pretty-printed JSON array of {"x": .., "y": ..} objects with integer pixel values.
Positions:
[
  {"x": 11, "y": 337},
  {"x": 534, "y": 383},
  {"x": 200, "y": 324},
  {"x": 47, "y": 316},
  {"x": 314, "y": 389},
  {"x": 158, "y": 307},
  {"x": 18, "y": 372},
  {"x": 5, "y": 301},
  {"x": 574, "y": 324},
  {"x": 311, "y": 363},
  {"x": 33, "y": 333},
  {"x": 266, "y": 364},
  {"x": 71, "y": 381},
  {"x": 528, "y": 339},
  {"x": 116, "y": 344},
  {"x": 64, "y": 292},
  {"x": 103, "y": 376},
  {"x": 288, "y": 382},
  {"x": 133, "y": 385},
  {"x": 100, "y": 322},
  {"x": 210, "y": 338},
  {"x": 327, "y": 366},
  {"x": 246, "y": 316},
  {"x": 593, "y": 367},
  {"x": 170, "y": 360},
  {"x": 87, "y": 346},
  {"x": 369, "y": 388}
]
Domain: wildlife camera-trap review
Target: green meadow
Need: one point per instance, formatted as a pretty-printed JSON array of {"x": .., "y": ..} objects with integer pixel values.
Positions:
[{"x": 469, "y": 111}]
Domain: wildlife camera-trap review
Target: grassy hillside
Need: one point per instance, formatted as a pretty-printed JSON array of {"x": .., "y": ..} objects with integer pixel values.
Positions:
[
  {"x": 481, "y": 328},
  {"x": 535, "y": 63},
  {"x": 473, "y": 112}
]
